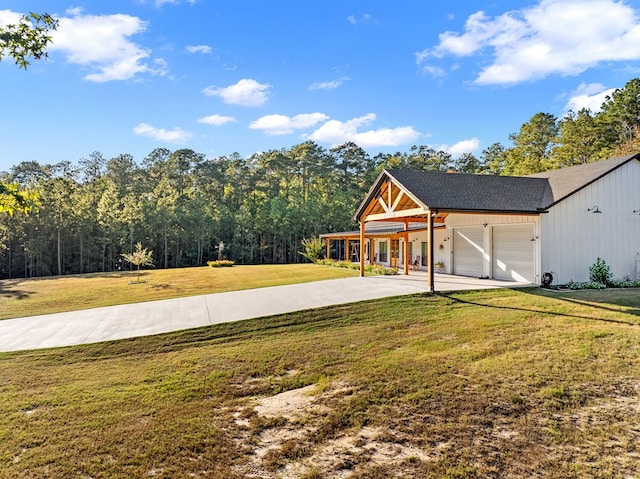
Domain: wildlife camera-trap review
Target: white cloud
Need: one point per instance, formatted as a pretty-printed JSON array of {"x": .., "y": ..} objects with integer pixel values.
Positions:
[
  {"x": 284, "y": 125},
  {"x": 364, "y": 18},
  {"x": 204, "y": 49},
  {"x": 464, "y": 146},
  {"x": 589, "y": 96},
  {"x": 176, "y": 135},
  {"x": 74, "y": 11},
  {"x": 7, "y": 17},
  {"x": 101, "y": 43},
  {"x": 336, "y": 132},
  {"x": 563, "y": 37},
  {"x": 434, "y": 71},
  {"x": 216, "y": 120},
  {"x": 328, "y": 85},
  {"x": 246, "y": 92},
  {"x": 161, "y": 3}
]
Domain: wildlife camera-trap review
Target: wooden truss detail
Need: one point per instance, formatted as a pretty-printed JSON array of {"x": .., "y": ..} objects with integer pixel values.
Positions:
[{"x": 390, "y": 203}]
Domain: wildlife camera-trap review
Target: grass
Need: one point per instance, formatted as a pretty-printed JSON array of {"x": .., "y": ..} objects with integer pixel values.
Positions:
[
  {"x": 499, "y": 384},
  {"x": 28, "y": 297}
]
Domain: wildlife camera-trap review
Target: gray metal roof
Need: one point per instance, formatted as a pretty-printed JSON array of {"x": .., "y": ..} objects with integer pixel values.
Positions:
[{"x": 496, "y": 194}]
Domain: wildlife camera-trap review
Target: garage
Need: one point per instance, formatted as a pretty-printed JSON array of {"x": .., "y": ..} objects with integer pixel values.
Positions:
[
  {"x": 513, "y": 253},
  {"x": 468, "y": 251}
]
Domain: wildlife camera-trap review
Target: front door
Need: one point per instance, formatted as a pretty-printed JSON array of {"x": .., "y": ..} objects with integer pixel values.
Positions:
[{"x": 395, "y": 253}]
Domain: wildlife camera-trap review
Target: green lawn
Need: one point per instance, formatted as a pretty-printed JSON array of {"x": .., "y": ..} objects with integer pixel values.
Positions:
[
  {"x": 69, "y": 293},
  {"x": 499, "y": 384}
]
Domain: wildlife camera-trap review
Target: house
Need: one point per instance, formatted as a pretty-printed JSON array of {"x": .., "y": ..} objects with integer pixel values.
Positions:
[{"x": 503, "y": 227}]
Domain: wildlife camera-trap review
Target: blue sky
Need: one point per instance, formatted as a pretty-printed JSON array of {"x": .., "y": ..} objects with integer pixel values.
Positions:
[{"x": 247, "y": 76}]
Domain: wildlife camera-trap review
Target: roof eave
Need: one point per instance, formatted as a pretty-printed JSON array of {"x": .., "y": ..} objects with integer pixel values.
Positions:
[
  {"x": 537, "y": 211},
  {"x": 635, "y": 156},
  {"x": 376, "y": 185}
]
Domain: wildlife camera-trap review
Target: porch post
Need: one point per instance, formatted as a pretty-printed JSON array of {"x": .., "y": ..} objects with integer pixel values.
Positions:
[
  {"x": 347, "y": 256},
  {"x": 362, "y": 249},
  {"x": 406, "y": 247},
  {"x": 327, "y": 243},
  {"x": 372, "y": 258},
  {"x": 430, "y": 280}
]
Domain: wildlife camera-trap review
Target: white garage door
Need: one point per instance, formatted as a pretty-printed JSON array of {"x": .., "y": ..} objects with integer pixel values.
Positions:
[
  {"x": 468, "y": 251},
  {"x": 513, "y": 253}
]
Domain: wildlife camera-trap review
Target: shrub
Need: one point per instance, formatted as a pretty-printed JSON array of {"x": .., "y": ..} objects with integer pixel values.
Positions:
[
  {"x": 369, "y": 268},
  {"x": 221, "y": 263},
  {"x": 600, "y": 272},
  {"x": 624, "y": 283},
  {"x": 585, "y": 285},
  {"x": 313, "y": 248}
]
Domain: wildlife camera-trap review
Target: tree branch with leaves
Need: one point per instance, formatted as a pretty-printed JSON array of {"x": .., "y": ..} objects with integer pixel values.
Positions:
[
  {"x": 28, "y": 38},
  {"x": 13, "y": 199}
]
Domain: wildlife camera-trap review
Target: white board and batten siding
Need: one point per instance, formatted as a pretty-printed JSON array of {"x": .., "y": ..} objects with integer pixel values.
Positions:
[{"x": 573, "y": 238}]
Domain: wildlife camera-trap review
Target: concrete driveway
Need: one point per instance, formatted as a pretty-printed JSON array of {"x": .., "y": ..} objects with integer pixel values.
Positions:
[{"x": 143, "y": 319}]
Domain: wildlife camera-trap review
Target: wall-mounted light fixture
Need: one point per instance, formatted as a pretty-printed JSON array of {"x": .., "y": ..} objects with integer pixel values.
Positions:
[
  {"x": 485, "y": 224},
  {"x": 595, "y": 209},
  {"x": 637, "y": 211},
  {"x": 446, "y": 239},
  {"x": 534, "y": 238}
]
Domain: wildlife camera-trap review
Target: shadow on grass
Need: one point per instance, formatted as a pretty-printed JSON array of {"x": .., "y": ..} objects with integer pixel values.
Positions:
[
  {"x": 606, "y": 299},
  {"x": 15, "y": 293},
  {"x": 101, "y": 275},
  {"x": 602, "y": 299}
]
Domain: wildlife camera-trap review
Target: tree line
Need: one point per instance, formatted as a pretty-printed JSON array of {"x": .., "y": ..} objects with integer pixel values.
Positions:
[{"x": 182, "y": 206}]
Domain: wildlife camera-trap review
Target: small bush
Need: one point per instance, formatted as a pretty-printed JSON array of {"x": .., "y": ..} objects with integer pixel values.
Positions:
[
  {"x": 221, "y": 263},
  {"x": 624, "y": 283},
  {"x": 369, "y": 268},
  {"x": 600, "y": 272},
  {"x": 585, "y": 285}
]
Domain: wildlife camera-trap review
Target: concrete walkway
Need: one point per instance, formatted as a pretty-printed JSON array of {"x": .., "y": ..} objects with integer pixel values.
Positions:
[{"x": 143, "y": 319}]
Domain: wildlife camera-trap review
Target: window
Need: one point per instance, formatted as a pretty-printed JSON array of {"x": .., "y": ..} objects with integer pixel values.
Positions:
[
  {"x": 382, "y": 248},
  {"x": 423, "y": 250}
]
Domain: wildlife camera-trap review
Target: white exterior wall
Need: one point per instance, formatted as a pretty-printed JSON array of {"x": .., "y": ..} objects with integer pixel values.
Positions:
[
  {"x": 376, "y": 249},
  {"x": 439, "y": 255},
  {"x": 444, "y": 237},
  {"x": 573, "y": 238}
]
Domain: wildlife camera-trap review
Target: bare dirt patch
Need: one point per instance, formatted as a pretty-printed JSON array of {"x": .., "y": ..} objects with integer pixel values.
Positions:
[{"x": 282, "y": 429}]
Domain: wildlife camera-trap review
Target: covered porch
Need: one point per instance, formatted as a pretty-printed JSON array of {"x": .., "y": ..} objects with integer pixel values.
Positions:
[
  {"x": 414, "y": 221},
  {"x": 404, "y": 219}
]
